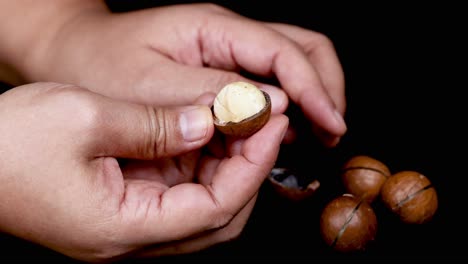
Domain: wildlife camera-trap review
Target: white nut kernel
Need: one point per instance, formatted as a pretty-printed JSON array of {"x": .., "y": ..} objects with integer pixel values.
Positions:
[{"x": 238, "y": 101}]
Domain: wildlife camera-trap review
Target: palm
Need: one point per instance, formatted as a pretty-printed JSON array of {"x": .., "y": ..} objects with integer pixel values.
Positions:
[{"x": 167, "y": 171}]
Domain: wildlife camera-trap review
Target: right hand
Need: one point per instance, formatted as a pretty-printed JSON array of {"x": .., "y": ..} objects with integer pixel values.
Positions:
[{"x": 169, "y": 55}]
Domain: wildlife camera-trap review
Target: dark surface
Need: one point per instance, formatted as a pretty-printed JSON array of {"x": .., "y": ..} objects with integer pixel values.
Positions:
[{"x": 404, "y": 108}]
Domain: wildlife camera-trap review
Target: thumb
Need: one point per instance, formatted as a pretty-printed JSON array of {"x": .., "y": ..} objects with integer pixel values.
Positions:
[{"x": 146, "y": 132}]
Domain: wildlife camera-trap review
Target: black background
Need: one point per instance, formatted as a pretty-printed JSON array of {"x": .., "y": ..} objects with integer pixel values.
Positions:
[{"x": 402, "y": 65}]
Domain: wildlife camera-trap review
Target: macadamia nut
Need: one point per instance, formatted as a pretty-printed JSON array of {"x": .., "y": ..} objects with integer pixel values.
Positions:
[
  {"x": 411, "y": 196},
  {"x": 238, "y": 101},
  {"x": 348, "y": 223},
  {"x": 364, "y": 176}
]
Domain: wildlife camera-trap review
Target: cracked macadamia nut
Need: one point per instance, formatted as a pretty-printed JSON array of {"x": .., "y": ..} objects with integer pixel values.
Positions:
[
  {"x": 348, "y": 223},
  {"x": 364, "y": 176},
  {"x": 241, "y": 109},
  {"x": 238, "y": 101},
  {"x": 411, "y": 196},
  {"x": 291, "y": 184}
]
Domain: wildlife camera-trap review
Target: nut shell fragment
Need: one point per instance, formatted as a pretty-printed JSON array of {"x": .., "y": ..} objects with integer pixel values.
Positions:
[{"x": 291, "y": 185}]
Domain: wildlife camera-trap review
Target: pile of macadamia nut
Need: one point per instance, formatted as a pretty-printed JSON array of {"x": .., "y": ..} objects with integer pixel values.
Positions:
[{"x": 349, "y": 223}]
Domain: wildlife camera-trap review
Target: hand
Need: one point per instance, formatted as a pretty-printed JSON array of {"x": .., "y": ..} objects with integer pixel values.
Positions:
[
  {"x": 170, "y": 55},
  {"x": 62, "y": 186}
]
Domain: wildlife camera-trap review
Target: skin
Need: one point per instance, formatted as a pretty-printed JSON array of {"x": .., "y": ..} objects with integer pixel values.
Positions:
[
  {"x": 73, "y": 196},
  {"x": 140, "y": 56},
  {"x": 95, "y": 88}
]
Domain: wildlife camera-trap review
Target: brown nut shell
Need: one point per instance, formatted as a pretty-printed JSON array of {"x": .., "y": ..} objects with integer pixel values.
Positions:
[
  {"x": 364, "y": 176},
  {"x": 348, "y": 223},
  {"x": 291, "y": 185},
  {"x": 411, "y": 196},
  {"x": 248, "y": 126}
]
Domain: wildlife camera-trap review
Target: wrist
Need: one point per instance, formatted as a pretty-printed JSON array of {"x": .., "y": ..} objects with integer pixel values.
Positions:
[{"x": 29, "y": 28}]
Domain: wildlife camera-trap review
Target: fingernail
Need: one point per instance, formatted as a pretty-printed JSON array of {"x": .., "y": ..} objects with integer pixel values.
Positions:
[
  {"x": 285, "y": 131},
  {"x": 340, "y": 123},
  {"x": 195, "y": 122},
  {"x": 279, "y": 99},
  {"x": 334, "y": 142}
]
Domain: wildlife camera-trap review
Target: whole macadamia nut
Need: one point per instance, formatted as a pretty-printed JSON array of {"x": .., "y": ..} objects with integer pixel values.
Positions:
[
  {"x": 411, "y": 196},
  {"x": 348, "y": 223},
  {"x": 240, "y": 109},
  {"x": 364, "y": 176}
]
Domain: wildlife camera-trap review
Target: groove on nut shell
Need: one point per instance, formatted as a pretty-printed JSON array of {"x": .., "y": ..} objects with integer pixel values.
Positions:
[
  {"x": 411, "y": 196},
  {"x": 366, "y": 168},
  {"x": 364, "y": 176},
  {"x": 348, "y": 223},
  {"x": 345, "y": 225}
]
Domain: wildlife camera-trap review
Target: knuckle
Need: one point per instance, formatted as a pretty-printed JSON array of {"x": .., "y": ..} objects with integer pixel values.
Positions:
[
  {"x": 321, "y": 41},
  {"x": 77, "y": 106},
  {"x": 213, "y": 7},
  {"x": 230, "y": 227},
  {"x": 160, "y": 126},
  {"x": 222, "y": 80},
  {"x": 223, "y": 219},
  {"x": 233, "y": 232},
  {"x": 153, "y": 132},
  {"x": 88, "y": 113}
]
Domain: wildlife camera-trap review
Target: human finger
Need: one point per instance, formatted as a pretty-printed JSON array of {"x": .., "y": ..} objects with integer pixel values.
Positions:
[
  {"x": 130, "y": 130},
  {"x": 322, "y": 53},
  {"x": 193, "y": 244},
  {"x": 213, "y": 204}
]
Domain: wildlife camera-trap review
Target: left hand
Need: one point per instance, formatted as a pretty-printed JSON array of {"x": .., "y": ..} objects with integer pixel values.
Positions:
[{"x": 61, "y": 185}]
